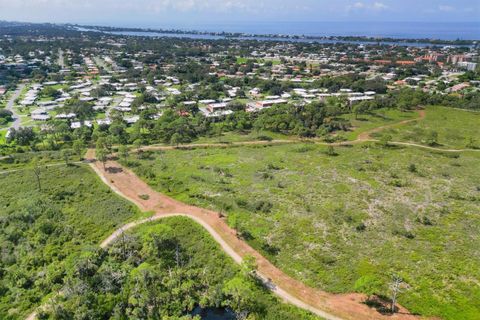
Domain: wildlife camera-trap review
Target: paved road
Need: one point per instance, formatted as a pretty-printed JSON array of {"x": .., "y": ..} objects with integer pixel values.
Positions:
[
  {"x": 61, "y": 59},
  {"x": 100, "y": 63},
  {"x": 116, "y": 102},
  {"x": 11, "y": 103}
]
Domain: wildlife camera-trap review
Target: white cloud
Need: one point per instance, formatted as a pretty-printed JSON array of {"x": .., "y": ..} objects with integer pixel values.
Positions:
[
  {"x": 142, "y": 6},
  {"x": 446, "y": 8},
  {"x": 376, "y": 6},
  {"x": 192, "y": 11},
  {"x": 359, "y": 5},
  {"x": 379, "y": 6}
]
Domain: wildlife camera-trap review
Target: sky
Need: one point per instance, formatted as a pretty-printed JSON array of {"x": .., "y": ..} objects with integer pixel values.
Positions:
[{"x": 188, "y": 12}]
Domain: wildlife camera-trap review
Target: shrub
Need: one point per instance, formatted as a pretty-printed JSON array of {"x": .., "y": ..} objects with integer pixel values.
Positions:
[
  {"x": 304, "y": 148},
  {"x": 272, "y": 166},
  {"x": 144, "y": 196},
  {"x": 331, "y": 151},
  {"x": 264, "y": 138},
  {"x": 263, "y": 206},
  {"x": 361, "y": 227}
]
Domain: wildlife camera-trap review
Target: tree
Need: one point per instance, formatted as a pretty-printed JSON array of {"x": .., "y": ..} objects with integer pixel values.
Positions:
[
  {"x": 471, "y": 143},
  {"x": 50, "y": 92},
  {"x": 432, "y": 138},
  {"x": 6, "y": 114},
  {"x": 66, "y": 154},
  {"x": 219, "y": 131},
  {"x": 249, "y": 266},
  {"x": 240, "y": 296},
  {"x": 105, "y": 142},
  {"x": 117, "y": 129},
  {"x": 78, "y": 148},
  {"x": 124, "y": 151},
  {"x": 102, "y": 155},
  {"x": 236, "y": 106},
  {"x": 175, "y": 139},
  {"x": 22, "y": 136},
  {"x": 37, "y": 172},
  {"x": 397, "y": 286},
  {"x": 137, "y": 145},
  {"x": 385, "y": 140},
  {"x": 361, "y": 108}
]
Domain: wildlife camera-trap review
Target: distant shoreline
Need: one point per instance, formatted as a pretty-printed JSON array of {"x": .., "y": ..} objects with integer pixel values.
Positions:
[
  {"x": 392, "y": 35},
  {"x": 246, "y": 36}
]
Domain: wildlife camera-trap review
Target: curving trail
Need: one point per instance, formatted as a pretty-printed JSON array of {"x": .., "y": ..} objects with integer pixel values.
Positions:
[
  {"x": 362, "y": 137},
  {"x": 329, "y": 306},
  {"x": 366, "y": 136}
]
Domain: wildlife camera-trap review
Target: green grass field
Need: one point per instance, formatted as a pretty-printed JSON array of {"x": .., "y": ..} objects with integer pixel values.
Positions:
[
  {"x": 241, "y": 60},
  {"x": 455, "y": 128},
  {"x": 2, "y": 136},
  {"x": 374, "y": 120},
  {"x": 228, "y": 137},
  {"x": 329, "y": 220},
  {"x": 44, "y": 231}
]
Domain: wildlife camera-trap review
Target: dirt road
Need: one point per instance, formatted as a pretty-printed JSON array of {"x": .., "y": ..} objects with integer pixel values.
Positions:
[{"x": 329, "y": 306}]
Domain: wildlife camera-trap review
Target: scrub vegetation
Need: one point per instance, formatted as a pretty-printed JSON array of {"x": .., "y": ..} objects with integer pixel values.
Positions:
[
  {"x": 44, "y": 229},
  {"x": 336, "y": 217},
  {"x": 166, "y": 270},
  {"x": 442, "y": 127}
]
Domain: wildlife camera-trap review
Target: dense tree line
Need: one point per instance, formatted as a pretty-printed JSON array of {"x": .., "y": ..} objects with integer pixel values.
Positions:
[
  {"x": 184, "y": 125},
  {"x": 163, "y": 271}
]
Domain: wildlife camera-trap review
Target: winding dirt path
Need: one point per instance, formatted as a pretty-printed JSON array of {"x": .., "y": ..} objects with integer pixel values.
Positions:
[
  {"x": 362, "y": 137},
  {"x": 329, "y": 306},
  {"x": 367, "y": 135}
]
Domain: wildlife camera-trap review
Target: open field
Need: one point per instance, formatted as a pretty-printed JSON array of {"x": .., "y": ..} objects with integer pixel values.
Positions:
[
  {"x": 378, "y": 118},
  {"x": 331, "y": 220},
  {"x": 232, "y": 136},
  {"x": 454, "y": 128},
  {"x": 43, "y": 232},
  {"x": 24, "y": 161}
]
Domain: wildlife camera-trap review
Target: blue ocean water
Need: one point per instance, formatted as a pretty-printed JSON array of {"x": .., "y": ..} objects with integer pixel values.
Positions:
[{"x": 409, "y": 30}]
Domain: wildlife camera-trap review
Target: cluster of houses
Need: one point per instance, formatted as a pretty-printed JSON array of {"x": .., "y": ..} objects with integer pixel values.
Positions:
[
  {"x": 31, "y": 96},
  {"x": 104, "y": 66}
]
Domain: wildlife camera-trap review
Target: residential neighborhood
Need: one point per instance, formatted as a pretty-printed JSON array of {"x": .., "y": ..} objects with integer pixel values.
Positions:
[
  {"x": 110, "y": 81},
  {"x": 296, "y": 170}
]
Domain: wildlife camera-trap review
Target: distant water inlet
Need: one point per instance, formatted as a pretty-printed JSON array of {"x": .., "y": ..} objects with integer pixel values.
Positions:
[
  {"x": 395, "y": 30},
  {"x": 208, "y": 36}
]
